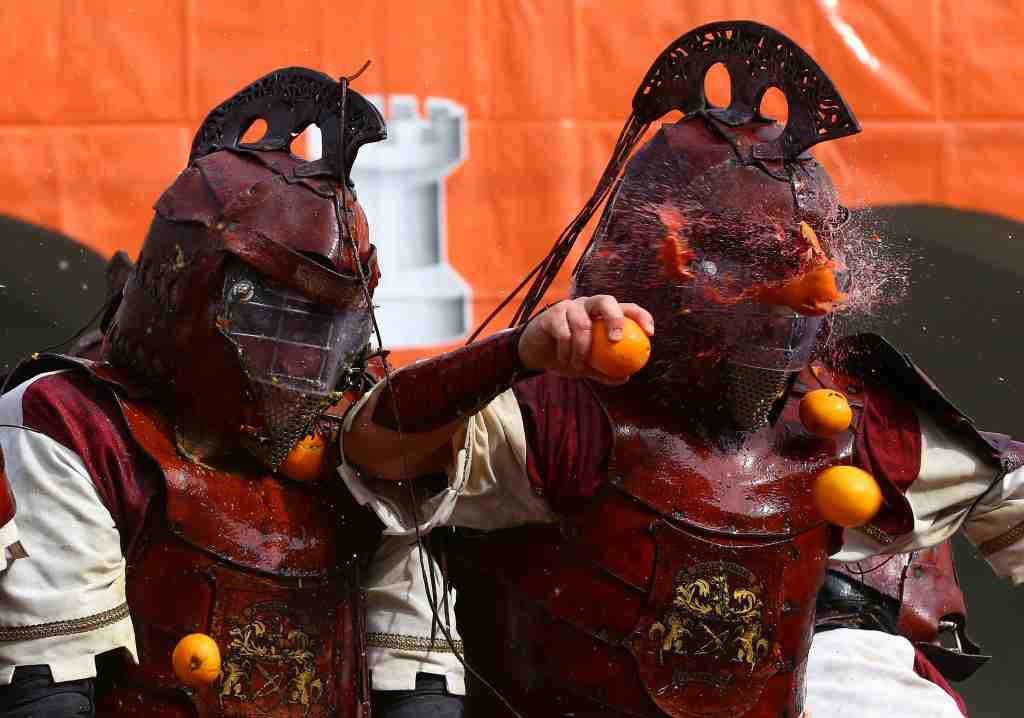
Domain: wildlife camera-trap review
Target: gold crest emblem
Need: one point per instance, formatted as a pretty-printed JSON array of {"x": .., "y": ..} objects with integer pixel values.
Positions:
[
  {"x": 271, "y": 662},
  {"x": 716, "y": 612}
]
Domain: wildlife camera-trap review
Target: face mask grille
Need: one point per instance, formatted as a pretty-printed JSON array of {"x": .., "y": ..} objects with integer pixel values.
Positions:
[
  {"x": 287, "y": 417},
  {"x": 752, "y": 393}
]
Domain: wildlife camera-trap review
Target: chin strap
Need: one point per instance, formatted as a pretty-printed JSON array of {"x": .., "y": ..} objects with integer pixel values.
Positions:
[{"x": 431, "y": 393}]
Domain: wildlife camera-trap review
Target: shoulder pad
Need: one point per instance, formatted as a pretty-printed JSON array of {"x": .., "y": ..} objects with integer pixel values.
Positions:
[
  {"x": 100, "y": 371},
  {"x": 873, "y": 360},
  {"x": 41, "y": 364}
]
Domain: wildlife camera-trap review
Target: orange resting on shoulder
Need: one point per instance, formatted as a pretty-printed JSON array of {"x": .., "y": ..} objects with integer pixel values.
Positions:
[
  {"x": 305, "y": 462},
  {"x": 847, "y": 496},
  {"x": 824, "y": 412}
]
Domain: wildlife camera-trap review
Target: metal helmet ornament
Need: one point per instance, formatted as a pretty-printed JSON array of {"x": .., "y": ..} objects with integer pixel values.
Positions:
[
  {"x": 249, "y": 307},
  {"x": 722, "y": 225}
]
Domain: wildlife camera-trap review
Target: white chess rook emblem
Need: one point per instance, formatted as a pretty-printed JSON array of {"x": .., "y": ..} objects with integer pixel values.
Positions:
[{"x": 400, "y": 183}]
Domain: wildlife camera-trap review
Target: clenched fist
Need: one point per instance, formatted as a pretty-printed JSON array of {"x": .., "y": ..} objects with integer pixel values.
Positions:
[{"x": 559, "y": 339}]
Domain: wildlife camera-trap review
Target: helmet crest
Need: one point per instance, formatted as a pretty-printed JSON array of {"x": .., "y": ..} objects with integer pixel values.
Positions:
[
  {"x": 289, "y": 100},
  {"x": 757, "y": 58}
]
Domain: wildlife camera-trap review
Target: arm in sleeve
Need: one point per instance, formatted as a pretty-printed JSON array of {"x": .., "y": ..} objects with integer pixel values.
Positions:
[
  {"x": 486, "y": 471},
  {"x": 995, "y": 524},
  {"x": 65, "y": 602},
  {"x": 954, "y": 488},
  {"x": 524, "y": 456}
]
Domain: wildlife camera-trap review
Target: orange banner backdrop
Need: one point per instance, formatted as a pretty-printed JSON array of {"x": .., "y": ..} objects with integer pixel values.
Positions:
[{"x": 103, "y": 98}]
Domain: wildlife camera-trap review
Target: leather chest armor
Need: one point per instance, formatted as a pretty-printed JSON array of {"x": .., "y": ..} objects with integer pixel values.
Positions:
[
  {"x": 266, "y": 567},
  {"x": 685, "y": 586}
]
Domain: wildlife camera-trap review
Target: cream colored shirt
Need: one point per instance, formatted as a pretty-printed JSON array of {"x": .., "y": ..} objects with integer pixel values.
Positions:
[{"x": 63, "y": 603}]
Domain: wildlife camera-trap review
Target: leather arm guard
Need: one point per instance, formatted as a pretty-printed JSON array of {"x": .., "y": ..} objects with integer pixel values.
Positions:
[{"x": 431, "y": 393}]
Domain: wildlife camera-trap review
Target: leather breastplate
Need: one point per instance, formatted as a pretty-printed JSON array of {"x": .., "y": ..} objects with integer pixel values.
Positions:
[
  {"x": 684, "y": 587},
  {"x": 266, "y": 567}
]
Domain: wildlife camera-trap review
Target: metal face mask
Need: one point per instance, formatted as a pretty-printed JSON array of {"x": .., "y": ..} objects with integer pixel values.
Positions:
[
  {"x": 763, "y": 291},
  {"x": 288, "y": 341},
  {"x": 294, "y": 351}
]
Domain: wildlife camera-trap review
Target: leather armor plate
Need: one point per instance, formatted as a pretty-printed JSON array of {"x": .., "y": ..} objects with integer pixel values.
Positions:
[
  {"x": 259, "y": 565},
  {"x": 683, "y": 587},
  {"x": 708, "y": 642}
]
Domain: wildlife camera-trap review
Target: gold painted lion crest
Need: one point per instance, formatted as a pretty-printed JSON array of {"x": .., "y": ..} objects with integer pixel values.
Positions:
[
  {"x": 271, "y": 661},
  {"x": 716, "y": 611}
]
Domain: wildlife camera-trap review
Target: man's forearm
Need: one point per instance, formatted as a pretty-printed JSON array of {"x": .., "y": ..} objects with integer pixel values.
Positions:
[{"x": 405, "y": 429}]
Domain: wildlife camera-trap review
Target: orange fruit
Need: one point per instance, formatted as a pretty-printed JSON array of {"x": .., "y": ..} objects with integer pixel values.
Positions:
[
  {"x": 196, "y": 660},
  {"x": 824, "y": 412},
  {"x": 305, "y": 462},
  {"x": 847, "y": 496},
  {"x": 624, "y": 357}
]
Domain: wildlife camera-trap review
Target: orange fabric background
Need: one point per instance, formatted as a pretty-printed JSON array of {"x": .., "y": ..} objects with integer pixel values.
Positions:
[{"x": 103, "y": 97}]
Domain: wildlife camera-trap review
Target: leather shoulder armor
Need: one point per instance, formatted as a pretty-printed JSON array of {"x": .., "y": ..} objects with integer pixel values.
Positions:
[{"x": 871, "y": 358}]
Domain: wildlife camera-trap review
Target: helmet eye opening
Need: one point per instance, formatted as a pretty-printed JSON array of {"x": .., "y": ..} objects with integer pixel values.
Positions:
[{"x": 254, "y": 132}]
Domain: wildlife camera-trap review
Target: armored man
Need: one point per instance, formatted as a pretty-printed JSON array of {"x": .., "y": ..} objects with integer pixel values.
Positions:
[
  {"x": 652, "y": 548},
  {"x": 151, "y": 497}
]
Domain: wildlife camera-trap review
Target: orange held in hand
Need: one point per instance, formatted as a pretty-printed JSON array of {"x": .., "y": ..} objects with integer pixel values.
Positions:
[
  {"x": 847, "y": 496},
  {"x": 824, "y": 412},
  {"x": 305, "y": 462},
  {"x": 622, "y": 358},
  {"x": 196, "y": 660}
]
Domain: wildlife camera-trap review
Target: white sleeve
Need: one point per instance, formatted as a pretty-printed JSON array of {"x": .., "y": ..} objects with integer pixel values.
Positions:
[
  {"x": 996, "y": 526},
  {"x": 955, "y": 489},
  {"x": 854, "y": 673},
  {"x": 65, "y": 603},
  {"x": 401, "y": 640},
  {"x": 488, "y": 487}
]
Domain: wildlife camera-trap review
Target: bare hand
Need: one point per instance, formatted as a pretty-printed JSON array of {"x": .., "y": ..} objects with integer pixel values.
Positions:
[{"x": 559, "y": 339}]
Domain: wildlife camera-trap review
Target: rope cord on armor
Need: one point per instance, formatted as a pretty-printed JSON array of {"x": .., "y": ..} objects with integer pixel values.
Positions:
[
  {"x": 428, "y": 576},
  {"x": 858, "y": 572},
  {"x": 544, "y": 274},
  {"x": 631, "y": 133},
  {"x": 92, "y": 320}
]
